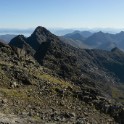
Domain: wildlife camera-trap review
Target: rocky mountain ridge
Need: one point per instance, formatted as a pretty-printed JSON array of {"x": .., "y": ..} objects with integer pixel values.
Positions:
[
  {"x": 99, "y": 66},
  {"x": 59, "y": 83}
]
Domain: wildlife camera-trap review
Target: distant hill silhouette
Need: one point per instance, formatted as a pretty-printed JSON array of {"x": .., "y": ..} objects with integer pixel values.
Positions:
[
  {"x": 7, "y": 37},
  {"x": 98, "y": 40}
]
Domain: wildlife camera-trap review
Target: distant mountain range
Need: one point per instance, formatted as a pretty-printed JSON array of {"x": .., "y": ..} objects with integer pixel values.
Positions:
[
  {"x": 86, "y": 39},
  {"x": 79, "y": 35},
  {"x": 98, "y": 40},
  {"x": 7, "y": 37},
  {"x": 77, "y": 38}
]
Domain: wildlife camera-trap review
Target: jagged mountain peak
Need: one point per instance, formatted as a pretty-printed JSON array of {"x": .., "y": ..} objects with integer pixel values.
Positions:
[
  {"x": 18, "y": 41},
  {"x": 100, "y": 32},
  {"x": 40, "y": 28},
  {"x": 21, "y": 42},
  {"x": 75, "y": 36},
  {"x": 33, "y": 42},
  {"x": 39, "y": 36},
  {"x": 19, "y": 37},
  {"x": 122, "y": 32},
  {"x": 116, "y": 49},
  {"x": 120, "y": 35},
  {"x": 41, "y": 31}
]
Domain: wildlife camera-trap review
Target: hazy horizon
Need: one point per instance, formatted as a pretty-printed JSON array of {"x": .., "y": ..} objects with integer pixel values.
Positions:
[{"x": 57, "y": 31}]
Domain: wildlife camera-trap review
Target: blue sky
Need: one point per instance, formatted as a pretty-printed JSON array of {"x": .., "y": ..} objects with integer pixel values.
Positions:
[{"x": 25, "y": 14}]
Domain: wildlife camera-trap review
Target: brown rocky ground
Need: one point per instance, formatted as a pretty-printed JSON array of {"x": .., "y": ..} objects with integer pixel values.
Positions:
[{"x": 30, "y": 93}]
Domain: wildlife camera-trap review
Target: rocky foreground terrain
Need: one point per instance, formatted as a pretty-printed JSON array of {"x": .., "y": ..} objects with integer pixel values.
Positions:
[{"x": 43, "y": 80}]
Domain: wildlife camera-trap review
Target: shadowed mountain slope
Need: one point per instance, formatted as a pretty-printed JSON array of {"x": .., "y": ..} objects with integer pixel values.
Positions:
[
  {"x": 21, "y": 42},
  {"x": 70, "y": 62}
]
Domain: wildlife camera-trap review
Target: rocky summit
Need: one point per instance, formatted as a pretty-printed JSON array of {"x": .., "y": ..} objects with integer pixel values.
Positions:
[{"x": 44, "y": 80}]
